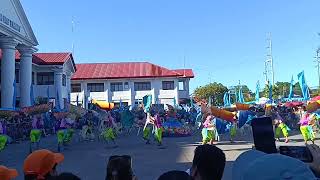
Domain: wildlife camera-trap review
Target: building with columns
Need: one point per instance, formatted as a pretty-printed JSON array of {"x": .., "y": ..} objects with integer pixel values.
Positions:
[
  {"x": 128, "y": 82},
  {"x": 26, "y": 75}
]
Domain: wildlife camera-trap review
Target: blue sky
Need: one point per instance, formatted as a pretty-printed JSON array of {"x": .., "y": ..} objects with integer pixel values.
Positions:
[{"x": 223, "y": 41}]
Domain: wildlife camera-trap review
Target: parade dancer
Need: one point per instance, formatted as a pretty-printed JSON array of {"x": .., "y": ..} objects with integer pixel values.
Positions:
[
  {"x": 280, "y": 126},
  {"x": 3, "y": 137},
  {"x": 107, "y": 129},
  {"x": 158, "y": 129},
  {"x": 233, "y": 130},
  {"x": 65, "y": 132},
  {"x": 306, "y": 129},
  {"x": 147, "y": 128},
  {"x": 209, "y": 131},
  {"x": 35, "y": 134}
]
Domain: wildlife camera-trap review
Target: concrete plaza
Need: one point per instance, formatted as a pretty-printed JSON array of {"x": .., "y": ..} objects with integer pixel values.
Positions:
[{"x": 89, "y": 159}]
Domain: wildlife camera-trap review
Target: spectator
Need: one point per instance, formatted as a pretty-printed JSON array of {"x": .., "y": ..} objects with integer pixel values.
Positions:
[
  {"x": 7, "y": 174},
  {"x": 41, "y": 164},
  {"x": 119, "y": 168},
  {"x": 67, "y": 176},
  {"x": 255, "y": 164},
  {"x": 175, "y": 175},
  {"x": 208, "y": 163}
]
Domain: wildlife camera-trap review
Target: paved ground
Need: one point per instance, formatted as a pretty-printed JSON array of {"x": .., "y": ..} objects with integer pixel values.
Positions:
[{"x": 89, "y": 159}]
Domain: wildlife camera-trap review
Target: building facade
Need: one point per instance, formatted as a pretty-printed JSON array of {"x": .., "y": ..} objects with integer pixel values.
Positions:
[{"x": 128, "y": 83}]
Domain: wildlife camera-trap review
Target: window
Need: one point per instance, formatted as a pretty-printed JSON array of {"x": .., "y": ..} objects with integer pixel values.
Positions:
[
  {"x": 167, "y": 85},
  {"x": 64, "y": 80},
  {"x": 17, "y": 76},
  {"x": 142, "y": 86},
  {"x": 181, "y": 86},
  {"x": 75, "y": 87},
  {"x": 95, "y": 87},
  {"x": 32, "y": 77},
  {"x": 45, "y": 78},
  {"x": 126, "y": 85},
  {"x": 116, "y": 86}
]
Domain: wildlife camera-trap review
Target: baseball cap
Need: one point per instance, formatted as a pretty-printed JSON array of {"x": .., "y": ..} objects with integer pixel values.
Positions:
[
  {"x": 254, "y": 164},
  {"x": 7, "y": 174},
  {"x": 41, "y": 162}
]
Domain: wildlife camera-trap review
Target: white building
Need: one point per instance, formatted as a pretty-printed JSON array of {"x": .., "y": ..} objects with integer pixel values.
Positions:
[
  {"x": 31, "y": 73},
  {"x": 129, "y": 82}
]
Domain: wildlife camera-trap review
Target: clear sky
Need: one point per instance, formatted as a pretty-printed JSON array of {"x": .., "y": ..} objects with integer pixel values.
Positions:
[{"x": 221, "y": 40}]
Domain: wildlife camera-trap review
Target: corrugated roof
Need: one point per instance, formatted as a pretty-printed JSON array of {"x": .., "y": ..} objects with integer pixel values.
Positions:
[
  {"x": 185, "y": 72},
  {"x": 122, "y": 70}
]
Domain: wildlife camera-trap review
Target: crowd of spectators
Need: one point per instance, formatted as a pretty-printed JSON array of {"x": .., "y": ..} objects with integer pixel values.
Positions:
[{"x": 208, "y": 164}]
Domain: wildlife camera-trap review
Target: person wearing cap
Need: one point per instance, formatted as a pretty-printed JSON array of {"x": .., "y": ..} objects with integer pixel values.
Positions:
[
  {"x": 41, "y": 165},
  {"x": 253, "y": 164},
  {"x": 7, "y": 174}
]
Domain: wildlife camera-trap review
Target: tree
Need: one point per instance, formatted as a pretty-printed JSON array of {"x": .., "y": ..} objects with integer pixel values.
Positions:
[
  {"x": 297, "y": 89},
  {"x": 275, "y": 92},
  {"x": 214, "y": 90},
  {"x": 284, "y": 88}
]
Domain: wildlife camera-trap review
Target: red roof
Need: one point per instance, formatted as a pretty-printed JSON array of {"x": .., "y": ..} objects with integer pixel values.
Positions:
[
  {"x": 185, "y": 72},
  {"x": 47, "y": 58},
  {"x": 122, "y": 70}
]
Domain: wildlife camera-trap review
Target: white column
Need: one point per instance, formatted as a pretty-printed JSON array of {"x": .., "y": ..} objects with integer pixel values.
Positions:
[
  {"x": 176, "y": 90},
  {"x": 132, "y": 93},
  {"x": 8, "y": 46},
  {"x": 58, "y": 86},
  {"x": 155, "y": 91},
  {"x": 85, "y": 95},
  {"x": 25, "y": 74}
]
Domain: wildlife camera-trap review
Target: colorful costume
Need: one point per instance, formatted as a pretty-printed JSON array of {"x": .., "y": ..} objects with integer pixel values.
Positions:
[
  {"x": 106, "y": 128},
  {"x": 3, "y": 138},
  {"x": 65, "y": 132},
  {"x": 158, "y": 129},
  {"x": 209, "y": 131},
  {"x": 35, "y": 134},
  {"x": 281, "y": 127},
  {"x": 147, "y": 128},
  {"x": 306, "y": 129}
]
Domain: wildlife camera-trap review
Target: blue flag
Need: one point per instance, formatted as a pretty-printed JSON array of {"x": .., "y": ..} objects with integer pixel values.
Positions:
[
  {"x": 14, "y": 98},
  {"x": 303, "y": 86},
  {"x": 226, "y": 99},
  {"x": 240, "y": 96},
  {"x": 147, "y": 101},
  {"x": 31, "y": 95},
  {"x": 291, "y": 89},
  {"x": 257, "y": 91}
]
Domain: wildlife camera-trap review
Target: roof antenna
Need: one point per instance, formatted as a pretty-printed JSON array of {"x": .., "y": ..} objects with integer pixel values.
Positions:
[
  {"x": 184, "y": 66},
  {"x": 73, "y": 24}
]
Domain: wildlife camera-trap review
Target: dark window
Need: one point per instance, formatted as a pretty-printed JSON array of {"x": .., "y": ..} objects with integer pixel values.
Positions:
[
  {"x": 126, "y": 85},
  {"x": 45, "y": 78},
  {"x": 32, "y": 77},
  {"x": 142, "y": 86},
  {"x": 64, "y": 80},
  {"x": 17, "y": 76},
  {"x": 95, "y": 87},
  {"x": 116, "y": 86},
  {"x": 75, "y": 87},
  {"x": 168, "y": 85}
]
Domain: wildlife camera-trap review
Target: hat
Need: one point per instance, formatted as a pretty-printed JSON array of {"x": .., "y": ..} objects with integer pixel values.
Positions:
[
  {"x": 41, "y": 162},
  {"x": 255, "y": 164},
  {"x": 7, "y": 174}
]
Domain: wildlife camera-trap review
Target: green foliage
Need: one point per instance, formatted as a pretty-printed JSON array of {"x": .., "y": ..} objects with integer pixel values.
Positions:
[{"x": 214, "y": 90}]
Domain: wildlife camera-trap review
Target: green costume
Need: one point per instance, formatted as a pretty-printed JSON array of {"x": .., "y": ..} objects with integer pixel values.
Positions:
[
  {"x": 65, "y": 135},
  {"x": 108, "y": 134},
  {"x": 35, "y": 135},
  {"x": 282, "y": 128},
  {"x": 158, "y": 135},
  {"x": 146, "y": 133},
  {"x": 233, "y": 131},
  {"x": 207, "y": 135},
  {"x": 3, "y": 142},
  {"x": 307, "y": 133}
]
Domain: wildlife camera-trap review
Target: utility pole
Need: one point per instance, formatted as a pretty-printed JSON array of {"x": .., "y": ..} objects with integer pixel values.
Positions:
[
  {"x": 317, "y": 60},
  {"x": 269, "y": 60}
]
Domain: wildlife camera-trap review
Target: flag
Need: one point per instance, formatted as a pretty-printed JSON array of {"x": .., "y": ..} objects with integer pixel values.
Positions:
[
  {"x": 31, "y": 95},
  {"x": 191, "y": 102},
  {"x": 240, "y": 96},
  {"x": 291, "y": 89},
  {"x": 226, "y": 99},
  {"x": 303, "y": 86},
  {"x": 14, "y": 94},
  {"x": 257, "y": 91},
  {"x": 147, "y": 101}
]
